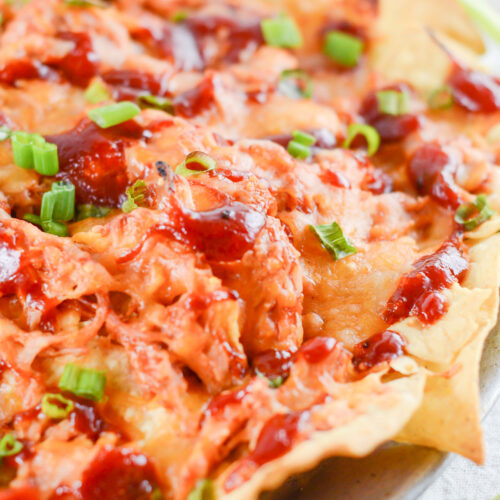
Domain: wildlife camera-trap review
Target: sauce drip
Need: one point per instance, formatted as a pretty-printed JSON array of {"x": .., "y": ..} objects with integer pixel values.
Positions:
[
  {"x": 120, "y": 474},
  {"x": 240, "y": 34},
  {"x": 81, "y": 63},
  {"x": 273, "y": 363},
  {"x": 93, "y": 159},
  {"x": 85, "y": 418},
  {"x": 475, "y": 91},
  {"x": 22, "y": 69},
  {"x": 418, "y": 292},
  {"x": 128, "y": 84},
  {"x": 276, "y": 437},
  {"x": 196, "y": 100},
  {"x": 390, "y": 128},
  {"x": 222, "y": 234},
  {"x": 318, "y": 349},
  {"x": 174, "y": 42},
  {"x": 431, "y": 171},
  {"x": 18, "y": 276},
  {"x": 380, "y": 347},
  {"x": 219, "y": 403}
]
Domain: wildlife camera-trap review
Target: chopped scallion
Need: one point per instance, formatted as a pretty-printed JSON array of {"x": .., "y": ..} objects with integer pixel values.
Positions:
[
  {"x": 281, "y": 32},
  {"x": 298, "y": 150},
  {"x": 87, "y": 3},
  {"x": 45, "y": 158},
  {"x": 203, "y": 490},
  {"x": 441, "y": 98},
  {"x": 87, "y": 211},
  {"x": 55, "y": 228},
  {"x": 83, "y": 382},
  {"x": 343, "y": 48},
  {"x": 5, "y": 132},
  {"x": 135, "y": 196},
  {"x": 485, "y": 15},
  {"x": 9, "y": 445},
  {"x": 56, "y": 405},
  {"x": 393, "y": 102},
  {"x": 370, "y": 134},
  {"x": 97, "y": 92},
  {"x": 333, "y": 239},
  {"x": 22, "y": 149},
  {"x": 195, "y": 163},
  {"x": 34, "y": 219},
  {"x": 275, "y": 382},
  {"x": 479, "y": 206},
  {"x": 295, "y": 83},
  {"x": 58, "y": 204},
  {"x": 179, "y": 15},
  {"x": 114, "y": 114},
  {"x": 303, "y": 137},
  {"x": 156, "y": 102}
]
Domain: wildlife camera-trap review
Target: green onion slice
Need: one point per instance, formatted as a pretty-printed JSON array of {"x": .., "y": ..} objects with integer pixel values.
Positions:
[
  {"x": 195, "y": 163},
  {"x": 485, "y": 15},
  {"x": 83, "y": 382},
  {"x": 9, "y": 445},
  {"x": 34, "y": 219},
  {"x": 479, "y": 206},
  {"x": 179, "y": 15},
  {"x": 298, "y": 150},
  {"x": 45, "y": 158},
  {"x": 281, "y": 32},
  {"x": 276, "y": 382},
  {"x": 87, "y": 3},
  {"x": 5, "y": 132},
  {"x": 58, "y": 204},
  {"x": 156, "y": 102},
  {"x": 393, "y": 102},
  {"x": 135, "y": 196},
  {"x": 370, "y": 134},
  {"x": 56, "y": 405},
  {"x": 343, "y": 48},
  {"x": 441, "y": 98},
  {"x": 55, "y": 228},
  {"x": 333, "y": 239},
  {"x": 22, "y": 149},
  {"x": 295, "y": 83},
  {"x": 88, "y": 211},
  {"x": 97, "y": 92},
  {"x": 203, "y": 490},
  {"x": 114, "y": 114},
  {"x": 303, "y": 137}
]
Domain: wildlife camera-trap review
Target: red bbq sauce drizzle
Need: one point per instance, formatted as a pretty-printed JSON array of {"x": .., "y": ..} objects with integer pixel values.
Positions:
[
  {"x": 23, "y": 493},
  {"x": 273, "y": 363},
  {"x": 419, "y": 292},
  {"x": 196, "y": 100},
  {"x": 222, "y": 234},
  {"x": 276, "y": 438},
  {"x": 174, "y": 42},
  {"x": 474, "y": 91},
  {"x": 431, "y": 171},
  {"x": 81, "y": 63},
  {"x": 128, "y": 84},
  {"x": 219, "y": 403},
  {"x": 382, "y": 346},
  {"x": 120, "y": 474},
  {"x": 86, "y": 419},
  {"x": 390, "y": 127},
  {"x": 241, "y": 34},
  {"x": 93, "y": 159},
  {"x": 23, "y": 69},
  {"x": 318, "y": 349},
  {"x": 18, "y": 276}
]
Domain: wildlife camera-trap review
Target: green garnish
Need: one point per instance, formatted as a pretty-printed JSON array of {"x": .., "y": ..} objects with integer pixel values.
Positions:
[
  {"x": 33, "y": 151},
  {"x": 56, "y": 405},
  {"x": 485, "y": 15},
  {"x": 393, "y": 102},
  {"x": 88, "y": 211},
  {"x": 135, "y": 196},
  {"x": 97, "y": 92},
  {"x": 156, "y": 102},
  {"x": 200, "y": 161},
  {"x": 441, "y": 98},
  {"x": 370, "y": 134},
  {"x": 113, "y": 114},
  {"x": 343, "y": 48},
  {"x": 87, "y": 3},
  {"x": 333, "y": 239},
  {"x": 203, "y": 490},
  {"x": 479, "y": 206},
  {"x": 281, "y": 32},
  {"x": 295, "y": 83},
  {"x": 299, "y": 146},
  {"x": 9, "y": 445},
  {"x": 83, "y": 382}
]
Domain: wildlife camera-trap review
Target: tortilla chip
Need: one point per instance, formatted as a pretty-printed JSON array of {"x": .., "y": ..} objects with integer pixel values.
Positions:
[
  {"x": 405, "y": 51},
  {"x": 386, "y": 408},
  {"x": 449, "y": 417}
]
